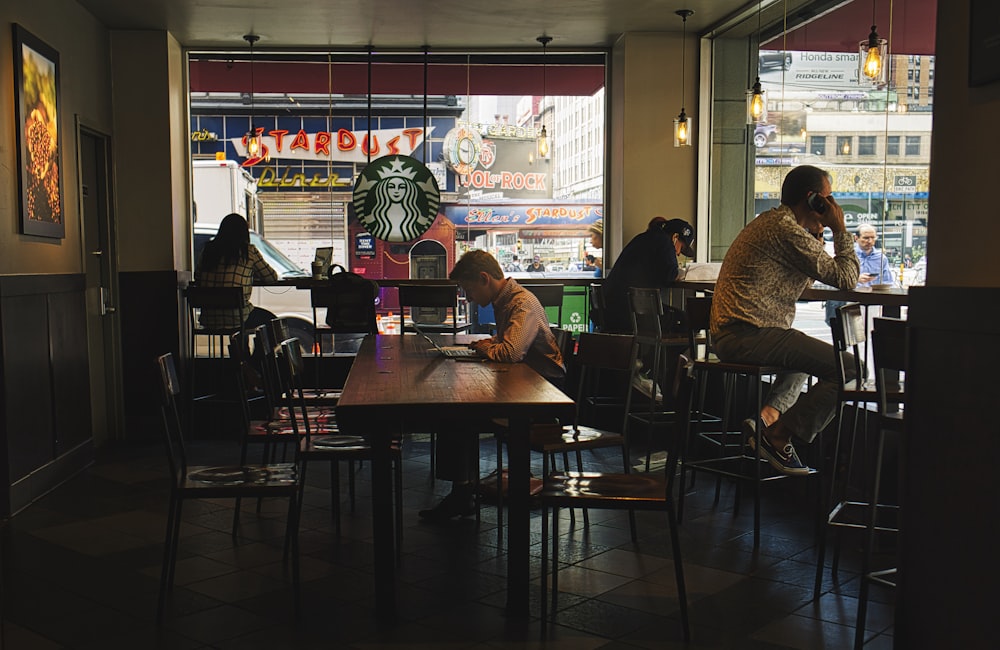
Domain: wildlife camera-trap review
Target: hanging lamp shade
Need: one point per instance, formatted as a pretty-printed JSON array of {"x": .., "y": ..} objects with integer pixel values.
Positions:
[
  {"x": 756, "y": 104},
  {"x": 873, "y": 60},
  {"x": 682, "y": 123}
]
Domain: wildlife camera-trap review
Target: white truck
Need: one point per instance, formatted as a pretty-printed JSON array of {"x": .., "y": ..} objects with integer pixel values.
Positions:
[{"x": 221, "y": 187}]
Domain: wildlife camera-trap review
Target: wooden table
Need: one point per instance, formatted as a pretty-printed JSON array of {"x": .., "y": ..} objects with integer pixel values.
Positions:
[
  {"x": 895, "y": 297},
  {"x": 400, "y": 382}
]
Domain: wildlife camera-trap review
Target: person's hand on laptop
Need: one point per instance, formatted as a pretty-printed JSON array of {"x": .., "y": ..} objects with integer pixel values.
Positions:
[{"x": 481, "y": 345}]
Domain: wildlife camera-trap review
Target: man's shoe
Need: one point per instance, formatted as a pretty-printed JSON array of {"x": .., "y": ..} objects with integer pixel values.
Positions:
[
  {"x": 785, "y": 460},
  {"x": 456, "y": 504}
]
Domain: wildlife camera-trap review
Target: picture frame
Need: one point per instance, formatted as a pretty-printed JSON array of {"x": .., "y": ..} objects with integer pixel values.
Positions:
[
  {"x": 984, "y": 42},
  {"x": 39, "y": 138}
]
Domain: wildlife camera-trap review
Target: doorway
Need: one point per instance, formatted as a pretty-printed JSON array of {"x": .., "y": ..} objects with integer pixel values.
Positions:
[{"x": 100, "y": 262}]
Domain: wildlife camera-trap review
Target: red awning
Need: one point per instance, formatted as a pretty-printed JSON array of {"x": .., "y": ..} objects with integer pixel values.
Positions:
[
  {"x": 306, "y": 77},
  {"x": 910, "y": 29}
]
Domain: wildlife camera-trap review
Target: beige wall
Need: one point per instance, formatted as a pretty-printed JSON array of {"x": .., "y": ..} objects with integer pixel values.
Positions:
[
  {"x": 649, "y": 177},
  {"x": 963, "y": 233},
  {"x": 150, "y": 119},
  {"x": 82, "y": 44}
]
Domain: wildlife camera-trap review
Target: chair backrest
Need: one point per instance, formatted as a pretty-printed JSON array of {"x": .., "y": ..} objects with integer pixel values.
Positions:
[
  {"x": 849, "y": 335},
  {"x": 597, "y": 306},
  {"x": 646, "y": 308},
  {"x": 349, "y": 300},
  {"x": 270, "y": 373},
  {"x": 292, "y": 370},
  {"x": 596, "y": 352},
  {"x": 429, "y": 303},
  {"x": 216, "y": 299},
  {"x": 173, "y": 432},
  {"x": 550, "y": 295},
  {"x": 889, "y": 348}
]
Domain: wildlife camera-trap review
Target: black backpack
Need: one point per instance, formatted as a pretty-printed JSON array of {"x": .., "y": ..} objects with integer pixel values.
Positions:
[{"x": 349, "y": 299}]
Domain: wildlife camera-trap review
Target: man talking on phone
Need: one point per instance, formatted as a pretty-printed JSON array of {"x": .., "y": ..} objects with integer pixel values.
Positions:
[{"x": 773, "y": 259}]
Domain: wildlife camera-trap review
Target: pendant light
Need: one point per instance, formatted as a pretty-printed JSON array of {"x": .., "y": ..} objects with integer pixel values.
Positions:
[
  {"x": 873, "y": 60},
  {"x": 682, "y": 123},
  {"x": 543, "y": 136},
  {"x": 254, "y": 144},
  {"x": 756, "y": 99}
]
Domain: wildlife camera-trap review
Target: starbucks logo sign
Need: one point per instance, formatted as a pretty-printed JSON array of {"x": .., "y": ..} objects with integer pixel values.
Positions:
[{"x": 396, "y": 198}]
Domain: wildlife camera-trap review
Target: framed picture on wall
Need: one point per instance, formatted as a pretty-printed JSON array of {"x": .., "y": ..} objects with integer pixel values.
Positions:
[{"x": 36, "y": 94}]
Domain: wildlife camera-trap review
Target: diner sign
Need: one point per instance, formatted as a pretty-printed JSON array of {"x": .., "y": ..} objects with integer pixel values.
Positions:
[
  {"x": 344, "y": 145},
  {"x": 528, "y": 214}
]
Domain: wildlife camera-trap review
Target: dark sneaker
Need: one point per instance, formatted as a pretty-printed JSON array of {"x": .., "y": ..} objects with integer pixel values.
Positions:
[
  {"x": 785, "y": 460},
  {"x": 456, "y": 504}
]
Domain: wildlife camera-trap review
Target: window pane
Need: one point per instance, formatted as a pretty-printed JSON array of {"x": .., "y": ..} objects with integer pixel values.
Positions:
[
  {"x": 866, "y": 145},
  {"x": 892, "y": 145},
  {"x": 913, "y": 145},
  {"x": 817, "y": 145},
  {"x": 844, "y": 145}
]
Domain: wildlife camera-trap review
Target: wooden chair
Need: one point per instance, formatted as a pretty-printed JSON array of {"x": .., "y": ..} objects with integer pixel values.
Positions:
[
  {"x": 639, "y": 491},
  {"x": 216, "y": 482},
  {"x": 551, "y": 297},
  {"x": 329, "y": 448},
  {"x": 889, "y": 347},
  {"x": 428, "y": 305}
]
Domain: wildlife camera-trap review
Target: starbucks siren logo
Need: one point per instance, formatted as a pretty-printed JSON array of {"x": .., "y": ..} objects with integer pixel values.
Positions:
[{"x": 396, "y": 198}]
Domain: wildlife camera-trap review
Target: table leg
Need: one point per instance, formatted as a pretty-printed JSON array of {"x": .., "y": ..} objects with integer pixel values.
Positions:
[
  {"x": 383, "y": 523},
  {"x": 519, "y": 517}
]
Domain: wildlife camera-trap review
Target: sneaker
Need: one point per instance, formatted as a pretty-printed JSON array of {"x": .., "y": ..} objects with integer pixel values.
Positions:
[{"x": 785, "y": 460}]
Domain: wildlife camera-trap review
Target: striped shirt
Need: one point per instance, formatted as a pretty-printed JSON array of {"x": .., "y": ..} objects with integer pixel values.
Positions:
[
  {"x": 769, "y": 264},
  {"x": 241, "y": 274},
  {"x": 523, "y": 332}
]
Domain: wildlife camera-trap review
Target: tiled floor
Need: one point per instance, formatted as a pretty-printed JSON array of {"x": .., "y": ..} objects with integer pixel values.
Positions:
[{"x": 81, "y": 568}]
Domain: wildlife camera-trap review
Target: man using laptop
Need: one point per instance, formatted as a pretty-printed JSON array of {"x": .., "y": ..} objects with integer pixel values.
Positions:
[{"x": 523, "y": 334}]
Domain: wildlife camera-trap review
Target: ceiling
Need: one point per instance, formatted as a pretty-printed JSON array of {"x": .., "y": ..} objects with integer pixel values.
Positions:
[{"x": 438, "y": 24}]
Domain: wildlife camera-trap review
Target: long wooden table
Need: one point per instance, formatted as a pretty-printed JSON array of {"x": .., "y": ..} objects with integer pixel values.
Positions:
[
  {"x": 399, "y": 383},
  {"x": 895, "y": 297}
]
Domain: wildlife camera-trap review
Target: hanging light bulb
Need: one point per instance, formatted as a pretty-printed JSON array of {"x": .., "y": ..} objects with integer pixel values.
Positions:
[
  {"x": 682, "y": 123},
  {"x": 756, "y": 101},
  {"x": 756, "y": 104},
  {"x": 253, "y": 136},
  {"x": 543, "y": 135},
  {"x": 873, "y": 56}
]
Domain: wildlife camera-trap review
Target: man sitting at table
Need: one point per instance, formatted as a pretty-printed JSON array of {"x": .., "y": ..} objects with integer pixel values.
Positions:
[
  {"x": 773, "y": 259},
  {"x": 522, "y": 334}
]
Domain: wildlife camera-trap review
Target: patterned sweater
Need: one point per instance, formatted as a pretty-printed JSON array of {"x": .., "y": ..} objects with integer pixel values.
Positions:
[
  {"x": 770, "y": 263},
  {"x": 236, "y": 275},
  {"x": 523, "y": 332}
]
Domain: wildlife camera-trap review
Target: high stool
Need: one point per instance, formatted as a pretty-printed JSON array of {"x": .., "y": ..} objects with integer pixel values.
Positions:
[
  {"x": 850, "y": 337},
  {"x": 227, "y": 303},
  {"x": 731, "y": 459},
  {"x": 889, "y": 347}
]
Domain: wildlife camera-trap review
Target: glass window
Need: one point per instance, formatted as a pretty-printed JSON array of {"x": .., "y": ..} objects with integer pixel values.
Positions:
[
  {"x": 913, "y": 145},
  {"x": 844, "y": 145},
  {"x": 817, "y": 145},
  {"x": 892, "y": 145},
  {"x": 866, "y": 145}
]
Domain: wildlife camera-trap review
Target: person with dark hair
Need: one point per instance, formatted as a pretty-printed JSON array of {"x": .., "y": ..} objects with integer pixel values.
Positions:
[
  {"x": 771, "y": 261},
  {"x": 230, "y": 260},
  {"x": 523, "y": 335},
  {"x": 649, "y": 260}
]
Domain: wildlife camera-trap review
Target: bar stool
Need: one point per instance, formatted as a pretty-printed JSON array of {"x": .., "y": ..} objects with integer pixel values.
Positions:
[
  {"x": 731, "y": 459},
  {"x": 428, "y": 305},
  {"x": 889, "y": 347},
  {"x": 226, "y": 303},
  {"x": 849, "y": 333}
]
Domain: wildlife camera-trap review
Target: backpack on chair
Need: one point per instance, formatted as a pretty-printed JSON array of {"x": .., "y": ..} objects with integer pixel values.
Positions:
[{"x": 354, "y": 308}]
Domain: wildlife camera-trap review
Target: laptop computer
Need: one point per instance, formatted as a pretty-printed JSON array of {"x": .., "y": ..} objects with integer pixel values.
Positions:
[{"x": 450, "y": 351}]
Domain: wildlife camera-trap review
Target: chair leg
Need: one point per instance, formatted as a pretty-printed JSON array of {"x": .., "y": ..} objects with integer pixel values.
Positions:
[
  {"x": 335, "y": 494},
  {"x": 572, "y": 511},
  {"x": 499, "y": 493},
  {"x": 675, "y": 545},
  {"x": 866, "y": 563},
  {"x": 545, "y": 568},
  {"x": 555, "y": 559},
  {"x": 350, "y": 485},
  {"x": 398, "y": 480},
  {"x": 169, "y": 551}
]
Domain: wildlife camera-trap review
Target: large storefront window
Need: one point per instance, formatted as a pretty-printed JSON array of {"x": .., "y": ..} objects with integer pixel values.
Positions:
[{"x": 473, "y": 121}]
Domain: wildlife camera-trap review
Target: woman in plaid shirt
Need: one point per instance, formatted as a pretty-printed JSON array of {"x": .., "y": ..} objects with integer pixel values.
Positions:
[{"x": 230, "y": 260}]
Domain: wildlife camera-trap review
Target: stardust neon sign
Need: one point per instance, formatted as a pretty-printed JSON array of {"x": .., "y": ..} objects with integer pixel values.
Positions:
[{"x": 343, "y": 145}]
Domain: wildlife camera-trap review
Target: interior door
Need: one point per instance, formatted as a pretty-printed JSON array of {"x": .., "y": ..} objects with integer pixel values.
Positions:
[{"x": 101, "y": 268}]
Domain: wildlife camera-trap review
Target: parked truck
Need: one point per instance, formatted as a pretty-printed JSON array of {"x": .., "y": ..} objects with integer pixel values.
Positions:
[{"x": 221, "y": 187}]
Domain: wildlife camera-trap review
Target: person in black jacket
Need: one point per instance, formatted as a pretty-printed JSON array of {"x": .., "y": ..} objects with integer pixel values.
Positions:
[{"x": 649, "y": 260}]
